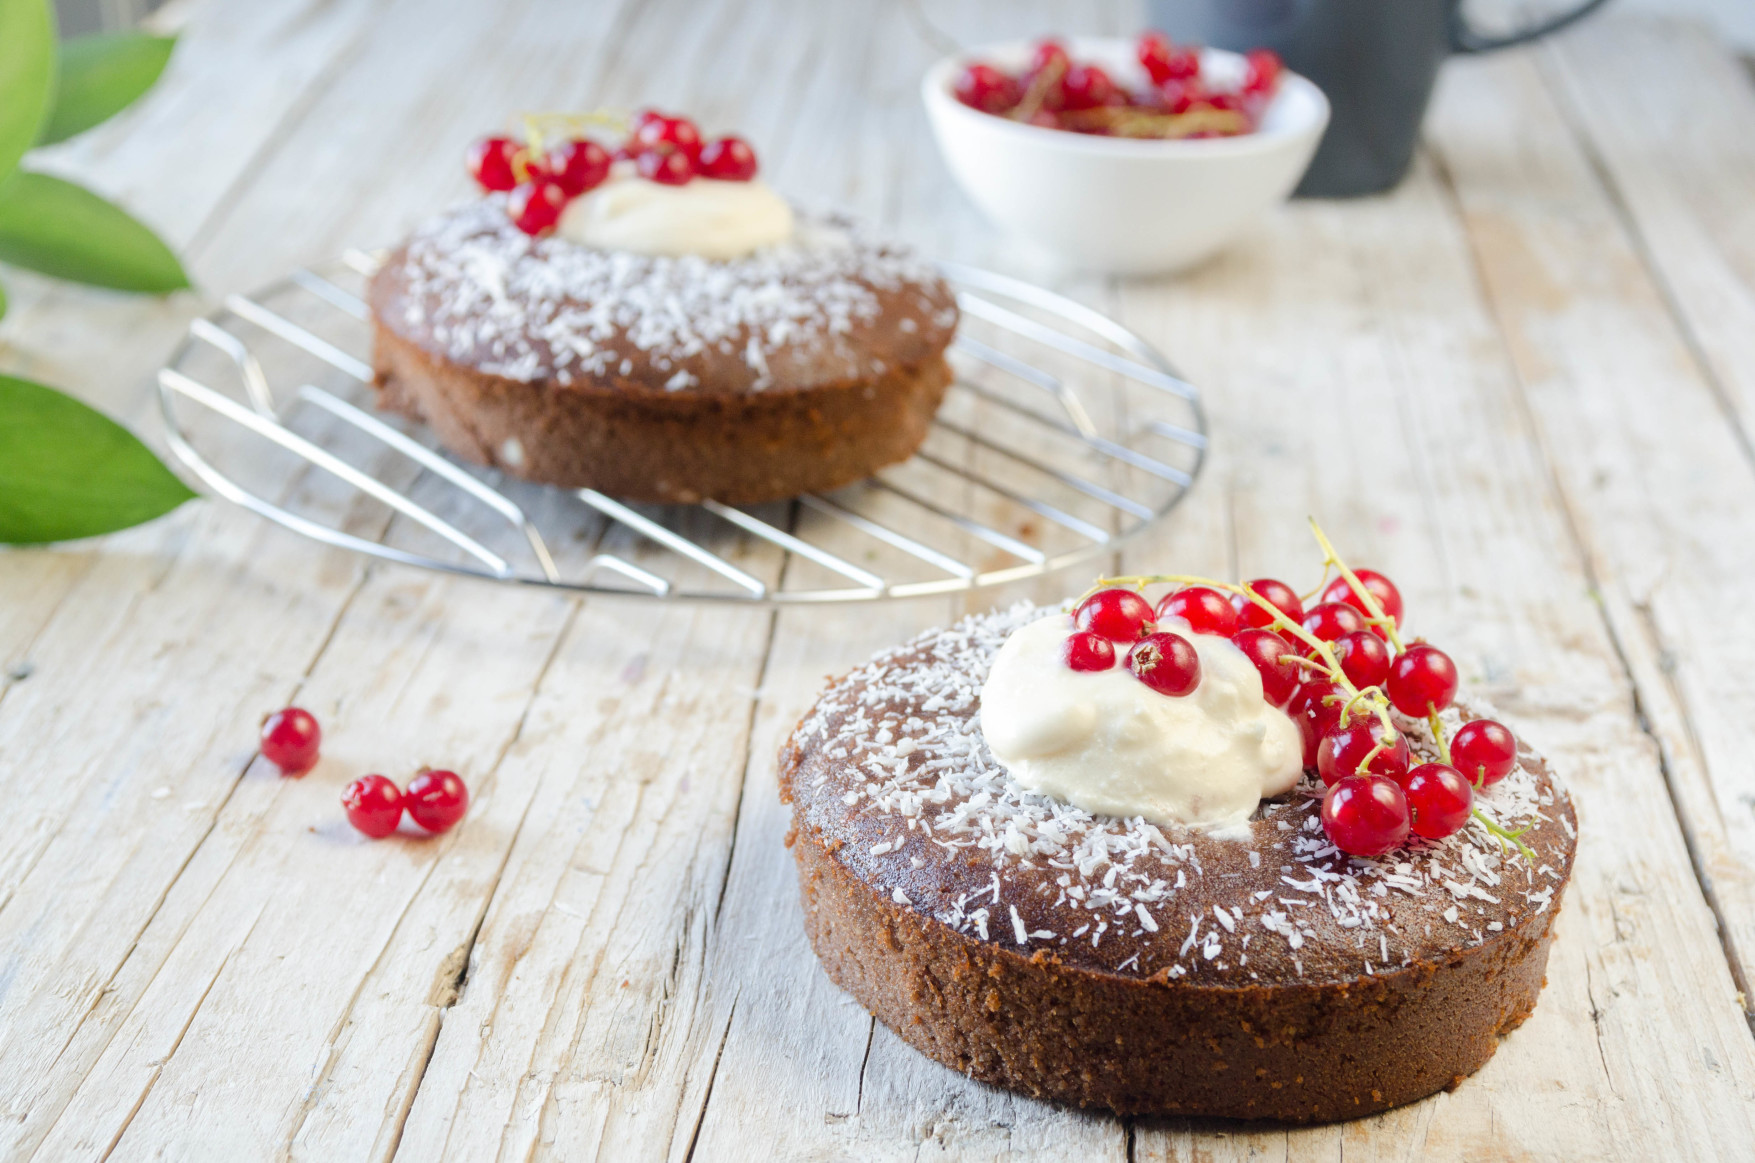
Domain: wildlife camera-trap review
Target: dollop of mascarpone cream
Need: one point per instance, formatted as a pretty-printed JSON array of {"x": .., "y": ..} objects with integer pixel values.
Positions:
[
  {"x": 1106, "y": 742},
  {"x": 706, "y": 217}
]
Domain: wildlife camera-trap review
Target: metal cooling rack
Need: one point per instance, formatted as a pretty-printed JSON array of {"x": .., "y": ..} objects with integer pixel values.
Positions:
[{"x": 1063, "y": 435}]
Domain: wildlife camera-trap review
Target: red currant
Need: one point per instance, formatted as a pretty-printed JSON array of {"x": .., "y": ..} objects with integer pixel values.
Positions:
[
  {"x": 1331, "y": 620},
  {"x": 1439, "y": 799},
  {"x": 1121, "y": 615},
  {"x": 1364, "y": 658},
  {"x": 1422, "y": 681},
  {"x": 1086, "y": 87},
  {"x": 1272, "y": 657},
  {"x": 728, "y": 159},
  {"x": 1050, "y": 53},
  {"x": 1181, "y": 96},
  {"x": 1206, "y": 610},
  {"x": 1087, "y": 651},
  {"x": 436, "y": 800},
  {"x": 1380, "y": 587},
  {"x": 1316, "y": 708},
  {"x": 986, "y": 88},
  {"x": 1280, "y": 595},
  {"x": 1365, "y": 815},
  {"x": 490, "y": 163},
  {"x": 1484, "y": 751},
  {"x": 1165, "y": 61},
  {"x": 1263, "y": 72},
  {"x": 577, "y": 166},
  {"x": 373, "y": 805},
  {"x": 654, "y": 130},
  {"x": 535, "y": 206},
  {"x": 1167, "y": 663},
  {"x": 1345, "y": 747},
  {"x": 669, "y": 167},
  {"x": 290, "y": 739}
]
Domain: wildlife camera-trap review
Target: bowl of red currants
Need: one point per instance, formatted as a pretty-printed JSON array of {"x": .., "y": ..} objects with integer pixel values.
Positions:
[{"x": 1128, "y": 156}]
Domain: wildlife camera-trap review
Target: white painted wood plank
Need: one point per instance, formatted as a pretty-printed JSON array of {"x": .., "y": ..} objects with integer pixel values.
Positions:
[{"x": 1655, "y": 478}]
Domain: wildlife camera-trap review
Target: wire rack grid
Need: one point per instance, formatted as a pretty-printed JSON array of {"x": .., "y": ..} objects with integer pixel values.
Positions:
[{"x": 1063, "y": 435}]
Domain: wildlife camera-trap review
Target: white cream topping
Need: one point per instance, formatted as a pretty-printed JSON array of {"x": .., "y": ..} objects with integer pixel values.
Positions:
[
  {"x": 704, "y": 217},
  {"x": 1105, "y": 742}
]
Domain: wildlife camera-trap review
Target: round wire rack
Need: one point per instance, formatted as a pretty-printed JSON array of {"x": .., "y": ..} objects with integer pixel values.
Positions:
[{"x": 1063, "y": 435}]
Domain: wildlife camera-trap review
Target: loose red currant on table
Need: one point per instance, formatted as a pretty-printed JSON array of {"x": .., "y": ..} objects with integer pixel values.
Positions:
[
  {"x": 1280, "y": 595},
  {"x": 436, "y": 799},
  {"x": 290, "y": 739},
  {"x": 373, "y": 805},
  {"x": 985, "y": 88},
  {"x": 1422, "y": 681},
  {"x": 1167, "y": 663},
  {"x": 535, "y": 206},
  {"x": 1316, "y": 708},
  {"x": 1087, "y": 651},
  {"x": 1262, "y": 73},
  {"x": 728, "y": 159},
  {"x": 1363, "y": 657},
  {"x": 1165, "y": 61},
  {"x": 1345, "y": 747},
  {"x": 1380, "y": 588},
  {"x": 1365, "y": 815},
  {"x": 490, "y": 163},
  {"x": 1279, "y": 675},
  {"x": 1205, "y": 610},
  {"x": 1086, "y": 87},
  {"x": 666, "y": 167},
  {"x": 654, "y": 130},
  {"x": 1484, "y": 751},
  {"x": 577, "y": 166},
  {"x": 1331, "y": 620},
  {"x": 1120, "y": 615},
  {"x": 1439, "y": 800}
]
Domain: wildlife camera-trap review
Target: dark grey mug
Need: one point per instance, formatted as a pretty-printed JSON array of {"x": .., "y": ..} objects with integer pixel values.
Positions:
[{"x": 1375, "y": 59}]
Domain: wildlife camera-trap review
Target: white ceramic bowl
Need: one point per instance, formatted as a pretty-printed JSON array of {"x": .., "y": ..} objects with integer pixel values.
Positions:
[{"x": 1123, "y": 205}]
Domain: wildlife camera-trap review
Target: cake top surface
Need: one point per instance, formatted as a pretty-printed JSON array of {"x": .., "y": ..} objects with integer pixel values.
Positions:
[
  {"x": 835, "y": 303},
  {"x": 891, "y": 771}
]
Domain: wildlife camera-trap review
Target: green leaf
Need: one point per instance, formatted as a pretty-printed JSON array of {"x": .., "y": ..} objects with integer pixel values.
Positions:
[
  {"x": 27, "y": 75},
  {"x": 67, "y": 471},
  {"x": 2, "y": 302},
  {"x": 99, "y": 77},
  {"x": 64, "y": 230}
]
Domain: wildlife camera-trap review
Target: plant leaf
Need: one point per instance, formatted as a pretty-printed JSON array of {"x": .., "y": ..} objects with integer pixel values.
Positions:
[
  {"x": 99, "y": 76},
  {"x": 3, "y": 303},
  {"x": 65, "y": 230},
  {"x": 27, "y": 75},
  {"x": 68, "y": 471}
]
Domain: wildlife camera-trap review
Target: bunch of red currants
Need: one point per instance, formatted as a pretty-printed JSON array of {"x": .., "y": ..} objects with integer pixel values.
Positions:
[
  {"x": 542, "y": 179},
  {"x": 1336, "y": 668},
  {"x": 291, "y": 739},
  {"x": 1056, "y": 92}
]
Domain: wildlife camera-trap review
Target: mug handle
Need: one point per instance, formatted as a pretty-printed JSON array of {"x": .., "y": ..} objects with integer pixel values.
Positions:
[{"x": 1464, "y": 38}]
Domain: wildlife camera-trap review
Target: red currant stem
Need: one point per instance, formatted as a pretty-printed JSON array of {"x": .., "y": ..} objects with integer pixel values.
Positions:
[
  {"x": 1499, "y": 833},
  {"x": 1031, "y": 102},
  {"x": 1437, "y": 726},
  {"x": 1364, "y": 768},
  {"x": 1329, "y": 662},
  {"x": 1372, "y": 605}
]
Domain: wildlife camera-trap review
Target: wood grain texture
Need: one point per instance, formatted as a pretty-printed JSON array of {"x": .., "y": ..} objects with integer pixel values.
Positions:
[{"x": 1502, "y": 383}]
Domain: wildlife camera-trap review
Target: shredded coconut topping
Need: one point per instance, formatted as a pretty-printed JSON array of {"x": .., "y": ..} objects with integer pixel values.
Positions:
[
  {"x": 903, "y": 734},
  {"x": 528, "y": 308}
]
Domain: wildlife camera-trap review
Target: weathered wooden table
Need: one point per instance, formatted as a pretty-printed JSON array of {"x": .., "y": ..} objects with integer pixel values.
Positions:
[{"x": 1523, "y": 384}]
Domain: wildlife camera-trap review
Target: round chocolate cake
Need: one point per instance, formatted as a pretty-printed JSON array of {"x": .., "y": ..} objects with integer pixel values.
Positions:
[
  {"x": 1255, "y": 973},
  {"x": 801, "y": 367}
]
